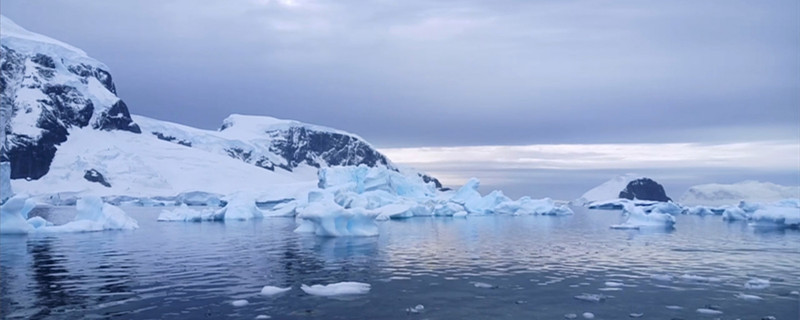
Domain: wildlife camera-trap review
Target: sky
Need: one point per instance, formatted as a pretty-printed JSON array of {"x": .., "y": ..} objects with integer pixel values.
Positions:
[{"x": 451, "y": 86}]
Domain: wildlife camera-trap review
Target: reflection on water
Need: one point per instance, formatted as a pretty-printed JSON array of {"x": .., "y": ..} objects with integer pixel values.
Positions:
[{"x": 485, "y": 267}]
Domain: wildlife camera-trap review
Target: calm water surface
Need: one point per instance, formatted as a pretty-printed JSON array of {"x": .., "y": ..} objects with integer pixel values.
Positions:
[{"x": 534, "y": 267}]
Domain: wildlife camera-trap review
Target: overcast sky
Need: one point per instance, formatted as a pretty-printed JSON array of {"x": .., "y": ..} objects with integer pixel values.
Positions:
[{"x": 416, "y": 73}]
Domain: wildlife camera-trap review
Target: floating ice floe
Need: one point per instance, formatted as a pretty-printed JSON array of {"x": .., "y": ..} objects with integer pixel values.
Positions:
[
  {"x": 240, "y": 303},
  {"x": 241, "y": 206},
  {"x": 750, "y": 297},
  {"x": 483, "y": 285},
  {"x": 271, "y": 291},
  {"x": 708, "y": 311},
  {"x": 636, "y": 218},
  {"x": 337, "y": 289},
  {"x": 591, "y": 297},
  {"x": 781, "y": 214},
  {"x": 756, "y": 284},
  {"x": 416, "y": 309},
  {"x": 588, "y": 315},
  {"x": 14, "y": 214}
]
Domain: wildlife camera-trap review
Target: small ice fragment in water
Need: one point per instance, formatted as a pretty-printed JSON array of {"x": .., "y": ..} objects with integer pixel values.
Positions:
[
  {"x": 263, "y": 316},
  {"x": 661, "y": 277},
  {"x": 416, "y": 309},
  {"x": 483, "y": 285},
  {"x": 614, "y": 284},
  {"x": 636, "y": 315},
  {"x": 270, "y": 290},
  {"x": 240, "y": 303},
  {"x": 708, "y": 311},
  {"x": 610, "y": 289},
  {"x": 570, "y": 316},
  {"x": 337, "y": 289},
  {"x": 795, "y": 293},
  {"x": 588, "y": 315},
  {"x": 748, "y": 297},
  {"x": 756, "y": 284},
  {"x": 591, "y": 297},
  {"x": 675, "y": 307},
  {"x": 769, "y": 318}
]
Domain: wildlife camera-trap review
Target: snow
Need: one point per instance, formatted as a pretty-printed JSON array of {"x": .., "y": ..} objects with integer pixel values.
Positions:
[
  {"x": 731, "y": 194},
  {"x": 636, "y": 218},
  {"x": 27, "y": 42},
  {"x": 271, "y": 291},
  {"x": 337, "y": 289},
  {"x": 186, "y": 214},
  {"x": 607, "y": 191}
]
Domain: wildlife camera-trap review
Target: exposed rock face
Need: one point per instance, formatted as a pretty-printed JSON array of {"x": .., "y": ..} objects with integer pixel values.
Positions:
[
  {"x": 46, "y": 88},
  {"x": 320, "y": 148},
  {"x": 644, "y": 189},
  {"x": 93, "y": 175}
]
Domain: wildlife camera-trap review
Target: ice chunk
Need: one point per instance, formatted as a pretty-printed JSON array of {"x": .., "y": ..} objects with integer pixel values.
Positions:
[
  {"x": 241, "y": 206},
  {"x": 240, "y": 303},
  {"x": 483, "y": 285},
  {"x": 665, "y": 207},
  {"x": 734, "y": 214},
  {"x": 447, "y": 209},
  {"x": 13, "y": 214},
  {"x": 748, "y": 297},
  {"x": 94, "y": 215},
  {"x": 484, "y": 205},
  {"x": 185, "y": 213},
  {"x": 701, "y": 211},
  {"x": 588, "y": 315},
  {"x": 337, "y": 289},
  {"x": 614, "y": 284},
  {"x": 591, "y": 297},
  {"x": 785, "y": 213},
  {"x": 263, "y": 316},
  {"x": 756, "y": 284},
  {"x": 636, "y": 218},
  {"x": 417, "y": 309},
  {"x": 324, "y": 217},
  {"x": 38, "y": 222},
  {"x": 708, "y": 311},
  {"x": 696, "y": 278},
  {"x": 528, "y": 206},
  {"x": 270, "y": 290},
  {"x": 570, "y": 316},
  {"x": 468, "y": 192},
  {"x": 363, "y": 179}
]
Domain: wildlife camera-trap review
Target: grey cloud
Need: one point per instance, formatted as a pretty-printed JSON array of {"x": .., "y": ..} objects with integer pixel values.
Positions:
[{"x": 416, "y": 73}]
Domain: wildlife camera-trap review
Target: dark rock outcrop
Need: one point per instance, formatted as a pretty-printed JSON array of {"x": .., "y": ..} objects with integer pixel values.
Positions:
[
  {"x": 93, "y": 175},
  {"x": 316, "y": 148},
  {"x": 644, "y": 189}
]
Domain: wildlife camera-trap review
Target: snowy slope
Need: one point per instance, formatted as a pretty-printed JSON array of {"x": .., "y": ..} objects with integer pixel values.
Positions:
[
  {"x": 271, "y": 143},
  {"x": 140, "y": 166},
  {"x": 608, "y": 190},
  {"x": 48, "y": 87},
  {"x": 731, "y": 194}
]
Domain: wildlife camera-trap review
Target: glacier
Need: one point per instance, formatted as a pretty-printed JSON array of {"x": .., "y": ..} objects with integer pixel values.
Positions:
[{"x": 719, "y": 195}]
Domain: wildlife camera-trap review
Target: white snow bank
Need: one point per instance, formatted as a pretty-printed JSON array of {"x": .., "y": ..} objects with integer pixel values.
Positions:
[
  {"x": 187, "y": 214},
  {"x": 731, "y": 194},
  {"x": 607, "y": 191},
  {"x": 636, "y": 218},
  {"x": 337, "y": 289},
  {"x": 271, "y": 291}
]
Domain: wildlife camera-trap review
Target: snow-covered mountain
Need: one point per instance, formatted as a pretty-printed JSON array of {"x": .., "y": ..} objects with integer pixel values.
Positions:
[
  {"x": 69, "y": 133},
  {"x": 48, "y": 88},
  {"x": 730, "y": 194}
]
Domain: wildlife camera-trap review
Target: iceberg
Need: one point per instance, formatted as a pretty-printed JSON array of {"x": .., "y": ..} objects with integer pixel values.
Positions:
[
  {"x": 785, "y": 213},
  {"x": 324, "y": 217},
  {"x": 95, "y": 215},
  {"x": 14, "y": 214},
  {"x": 337, "y": 289},
  {"x": 637, "y": 218},
  {"x": 241, "y": 206}
]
